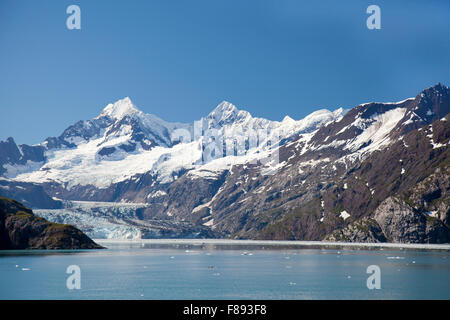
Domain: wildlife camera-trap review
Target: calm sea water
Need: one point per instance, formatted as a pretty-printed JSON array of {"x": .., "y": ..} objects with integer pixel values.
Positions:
[{"x": 225, "y": 272}]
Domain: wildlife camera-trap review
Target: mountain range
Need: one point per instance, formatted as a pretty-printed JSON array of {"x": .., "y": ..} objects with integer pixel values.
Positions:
[{"x": 375, "y": 173}]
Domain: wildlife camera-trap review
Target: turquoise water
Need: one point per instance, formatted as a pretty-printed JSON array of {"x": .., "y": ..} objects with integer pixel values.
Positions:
[{"x": 238, "y": 272}]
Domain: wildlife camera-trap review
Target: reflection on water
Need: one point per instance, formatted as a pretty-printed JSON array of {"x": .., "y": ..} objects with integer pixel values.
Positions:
[{"x": 208, "y": 270}]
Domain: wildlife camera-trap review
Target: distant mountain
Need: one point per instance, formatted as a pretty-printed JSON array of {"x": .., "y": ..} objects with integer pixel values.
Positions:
[
  {"x": 23, "y": 155},
  {"x": 28, "y": 193},
  {"x": 245, "y": 177}
]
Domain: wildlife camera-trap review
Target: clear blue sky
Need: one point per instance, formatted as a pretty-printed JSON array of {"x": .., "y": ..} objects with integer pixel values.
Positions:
[{"x": 179, "y": 59}]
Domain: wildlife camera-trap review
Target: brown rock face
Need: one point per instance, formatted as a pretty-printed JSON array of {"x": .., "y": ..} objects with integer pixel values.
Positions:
[
  {"x": 21, "y": 229},
  {"x": 401, "y": 223},
  {"x": 394, "y": 221}
]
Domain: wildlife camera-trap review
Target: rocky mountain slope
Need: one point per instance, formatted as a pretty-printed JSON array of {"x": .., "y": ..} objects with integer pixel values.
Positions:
[
  {"x": 245, "y": 177},
  {"x": 21, "y": 229},
  {"x": 346, "y": 186},
  {"x": 413, "y": 171}
]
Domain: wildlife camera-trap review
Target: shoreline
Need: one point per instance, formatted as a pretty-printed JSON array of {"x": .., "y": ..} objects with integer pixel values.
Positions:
[{"x": 274, "y": 243}]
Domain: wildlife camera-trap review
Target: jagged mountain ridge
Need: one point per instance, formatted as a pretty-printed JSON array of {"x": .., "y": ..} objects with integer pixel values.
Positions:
[
  {"x": 123, "y": 142},
  {"x": 233, "y": 197}
]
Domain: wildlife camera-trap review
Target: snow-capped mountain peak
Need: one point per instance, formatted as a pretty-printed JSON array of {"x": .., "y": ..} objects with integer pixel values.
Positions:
[
  {"x": 128, "y": 125},
  {"x": 120, "y": 109},
  {"x": 226, "y": 113},
  {"x": 316, "y": 119},
  {"x": 225, "y": 108},
  {"x": 288, "y": 119}
]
